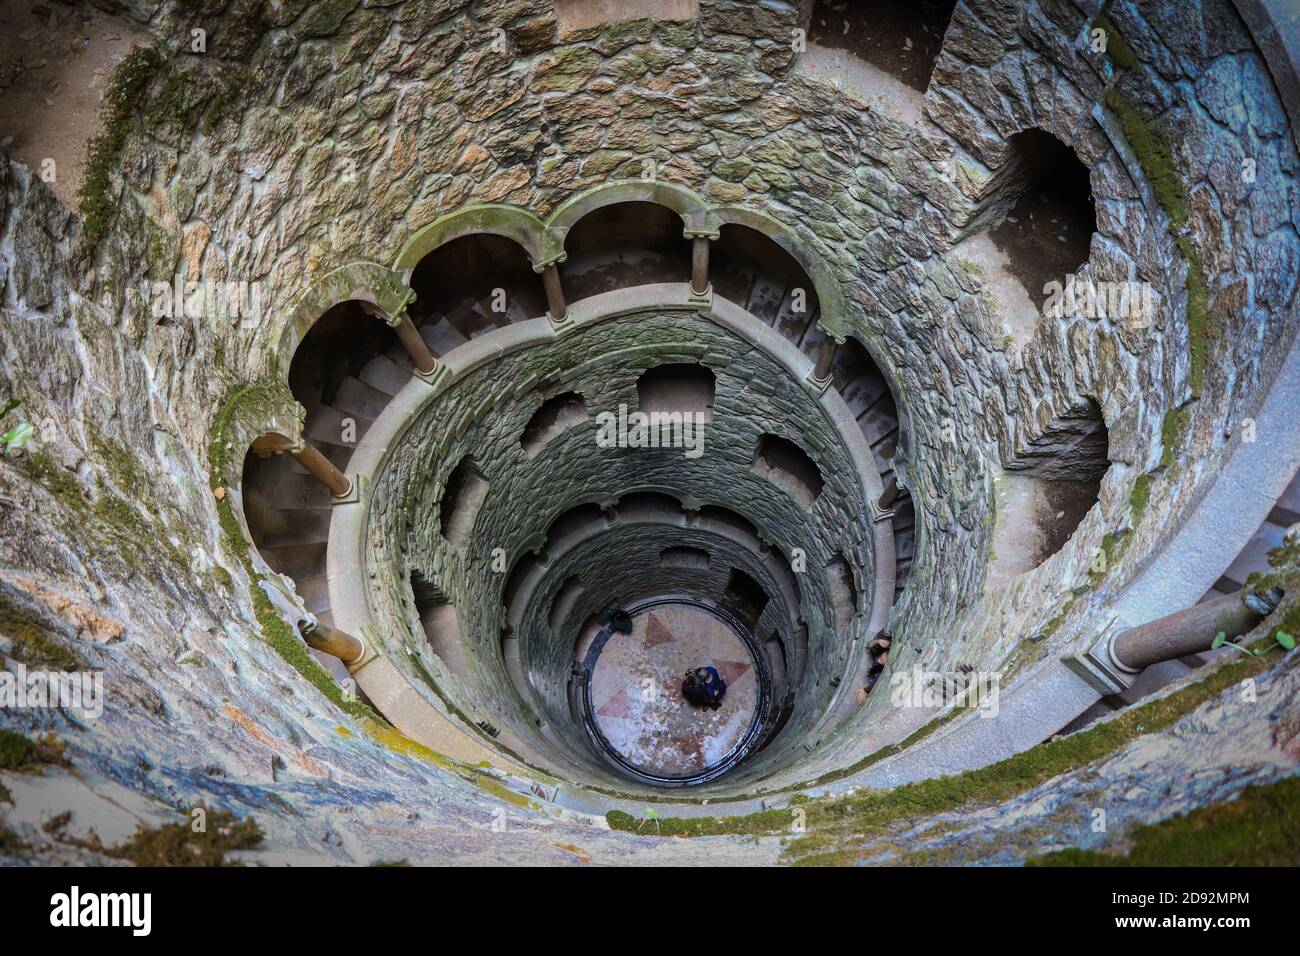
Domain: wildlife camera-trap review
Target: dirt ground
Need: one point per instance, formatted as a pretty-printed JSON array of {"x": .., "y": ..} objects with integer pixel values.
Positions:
[
  {"x": 55, "y": 61},
  {"x": 902, "y": 39}
]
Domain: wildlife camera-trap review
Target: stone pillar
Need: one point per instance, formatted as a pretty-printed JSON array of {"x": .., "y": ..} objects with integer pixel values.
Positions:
[
  {"x": 821, "y": 373},
  {"x": 414, "y": 345},
  {"x": 890, "y": 494},
  {"x": 700, "y": 266},
  {"x": 556, "y": 309},
  {"x": 1189, "y": 631},
  {"x": 322, "y": 469},
  {"x": 334, "y": 642}
]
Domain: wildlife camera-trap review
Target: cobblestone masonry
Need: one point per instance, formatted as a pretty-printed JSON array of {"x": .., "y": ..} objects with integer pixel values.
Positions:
[{"x": 308, "y": 138}]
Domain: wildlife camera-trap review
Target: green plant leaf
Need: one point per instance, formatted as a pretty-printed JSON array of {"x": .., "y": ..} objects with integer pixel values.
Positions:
[
  {"x": 1219, "y": 640},
  {"x": 1286, "y": 640},
  {"x": 17, "y": 436},
  {"x": 9, "y": 405}
]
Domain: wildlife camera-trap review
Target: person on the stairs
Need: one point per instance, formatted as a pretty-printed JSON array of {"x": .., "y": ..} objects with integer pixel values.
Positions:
[{"x": 704, "y": 687}]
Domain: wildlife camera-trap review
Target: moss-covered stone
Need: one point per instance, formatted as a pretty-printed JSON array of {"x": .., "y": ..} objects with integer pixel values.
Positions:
[
  {"x": 34, "y": 643},
  {"x": 124, "y": 94},
  {"x": 177, "y": 844},
  {"x": 22, "y": 754},
  {"x": 834, "y": 824},
  {"x": 1261, "y": 827}
]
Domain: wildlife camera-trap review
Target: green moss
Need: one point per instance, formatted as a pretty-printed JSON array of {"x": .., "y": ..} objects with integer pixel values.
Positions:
[
  {"x": 289, "y": 646},
  {"x": 248, "y": 403},
  {"x": 1261, "y": 827},
  {"x": 176, "y": 844},
  {"x": 124, "y": 94},
  {"x": 754, "y": 824},
  {"x": 1198, "y": 314},
  {"x": 1119, "y": 52},
  {"x": 19, "y": 753},
  {"x": 33, "y": 643},
  {"x": 385, "y": 863},
  {"x": 1157, "y": 162},
  {"x": 1140, "y": 496},
  {"x": 1172, "y": 429},
  {"x": 58, "y": 481},
  {"x": 235, "y": 81}
]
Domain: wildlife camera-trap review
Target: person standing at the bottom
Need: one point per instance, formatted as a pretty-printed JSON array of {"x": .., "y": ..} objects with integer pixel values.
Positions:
[{"x": 704, "y": 687}]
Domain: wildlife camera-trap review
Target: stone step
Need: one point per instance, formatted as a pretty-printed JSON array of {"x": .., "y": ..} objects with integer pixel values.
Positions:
[
  {"x": 383, "y": 373},
  {"x": 355, "y": 397}
]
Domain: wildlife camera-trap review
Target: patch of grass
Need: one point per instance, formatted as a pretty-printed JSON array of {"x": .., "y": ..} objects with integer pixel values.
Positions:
[
  {"x": 176, "y": 844},
  {"x": 22, "y": 754},
  {"x": 1261, "y": 827},
  {"x": 753, "y": 824},
  {"x": 124, "y": 94},
  {"x": 873, "y": 812}
]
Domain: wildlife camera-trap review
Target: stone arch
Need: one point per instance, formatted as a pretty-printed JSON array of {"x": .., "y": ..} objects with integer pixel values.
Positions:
[
  {"x": 510, "y": 222},
  {"x": 834, "y": 306},
  {"x": 376, "y": 287},
  {"x": 696, "y": 216}
]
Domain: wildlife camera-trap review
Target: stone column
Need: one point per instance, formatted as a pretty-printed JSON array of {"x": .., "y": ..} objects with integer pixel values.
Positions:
[
  {"x": 414, "y": 345},
  {"x": 700, "y": 266},
  {"x": 821, "y": 372},
  {"x": 556, "y": 309},
  {"x": 322, "y": 469},
  {"x": 1189, "y": 631},
  {"x": 334, "y": 642}
]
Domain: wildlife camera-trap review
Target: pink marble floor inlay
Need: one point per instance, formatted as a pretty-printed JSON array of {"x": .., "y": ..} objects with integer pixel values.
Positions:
[{"x": 636, "y": 691}]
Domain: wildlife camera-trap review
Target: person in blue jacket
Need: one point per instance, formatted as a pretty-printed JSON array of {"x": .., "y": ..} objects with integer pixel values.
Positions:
[{"x": 704, "y": 687}]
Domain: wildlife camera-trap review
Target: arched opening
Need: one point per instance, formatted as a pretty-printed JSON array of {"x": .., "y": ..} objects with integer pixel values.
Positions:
[
  {"x": 563, "y": 602},
  {"x": 472, "y": 285},
  {"x": 463, "y": 496},
  {"x": 744, "y": 598},
  {"x": 623, "y": 245},
  {"x": 788, "y": 466},
  {"x": 687, "y": 388},
  {"x": 578, "y": 519},
  {"x": 344, "y": 373},
  {"x": 440, "y": 622},
  {"x": 1046, "y": 233},
  {"x": 901, "y": 38},
  {"x": 866, "y": 391},
  {"x": 555, "y": 416},
  {"x": 844, "y": 593},
  {"x": 1046, "y": 491},
  {"x": 752, "y": 270}
]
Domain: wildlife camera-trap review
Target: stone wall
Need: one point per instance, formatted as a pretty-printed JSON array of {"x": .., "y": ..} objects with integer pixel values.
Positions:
[
  {"x": 308, "y": 138},
  {"x": 482, "y": 416}
]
